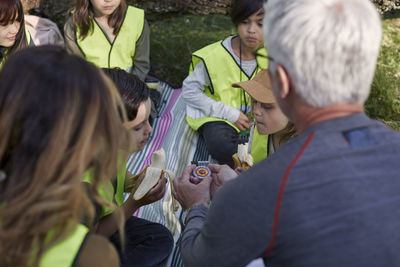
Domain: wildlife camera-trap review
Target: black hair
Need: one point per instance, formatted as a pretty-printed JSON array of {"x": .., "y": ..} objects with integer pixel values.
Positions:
[
  {"x": 133, "y": 90},
  {"x": 242, "y": 9}
]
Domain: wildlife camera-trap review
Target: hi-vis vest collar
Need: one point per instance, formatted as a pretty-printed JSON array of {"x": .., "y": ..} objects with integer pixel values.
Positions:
[{"x": 120, "y": 53}]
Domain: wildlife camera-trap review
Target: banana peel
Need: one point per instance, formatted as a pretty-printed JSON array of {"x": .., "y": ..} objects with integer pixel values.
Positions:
[
  {"x": 130, "y": 182},
  {"x": 242, "y": 158},
  {"x": 153, "y": 173}
]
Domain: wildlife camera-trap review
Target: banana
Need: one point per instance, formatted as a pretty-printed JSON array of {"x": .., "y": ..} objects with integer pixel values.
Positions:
[
  {"x": 242, "y": 158},
  {"x": 154, "y": 172},
  {"x": 131, "y": 181}
]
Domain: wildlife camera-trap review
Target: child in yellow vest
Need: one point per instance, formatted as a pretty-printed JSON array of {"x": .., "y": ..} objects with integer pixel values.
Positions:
[
  {"x": 269, "y": 119},
  {"x": 109, "y": 34},
  {"x": 146, "y": 243},
  {"x": 214, "y": 108}
]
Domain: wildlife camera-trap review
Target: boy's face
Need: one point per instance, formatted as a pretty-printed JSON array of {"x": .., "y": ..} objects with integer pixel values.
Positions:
[
  {"x": 140, "y": 125},
  {"x": 269, "y": 117},
  {"x": 251, "y": 30}
]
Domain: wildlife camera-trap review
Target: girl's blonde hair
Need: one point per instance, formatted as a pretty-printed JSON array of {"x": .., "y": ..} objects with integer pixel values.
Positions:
[
  {"x": 59, "y": 117},
  {"x": 83, "y": 16}
]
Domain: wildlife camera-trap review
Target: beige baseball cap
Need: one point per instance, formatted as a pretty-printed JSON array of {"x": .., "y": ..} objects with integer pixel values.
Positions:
[{"x": 259, "y": 87}]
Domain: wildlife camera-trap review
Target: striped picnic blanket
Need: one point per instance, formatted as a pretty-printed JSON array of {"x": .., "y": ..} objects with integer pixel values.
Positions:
[{"x": 182, "y": 145}]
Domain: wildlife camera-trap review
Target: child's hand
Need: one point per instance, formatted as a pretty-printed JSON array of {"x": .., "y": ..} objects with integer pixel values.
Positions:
[
  {"x": 131, "y": 180},
  {"x": 243, "y": 122},
  {"x": 155, "y": 194}
]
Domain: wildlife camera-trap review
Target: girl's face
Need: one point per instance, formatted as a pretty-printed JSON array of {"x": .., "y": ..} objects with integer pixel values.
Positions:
[
  {"x": 269, "y": 117},
  {"x": 251, "y": 30},
  {"x": 8, "y": 34},
  {"x": 140, "y": 125},
  {"x": 104, "y": 7}
]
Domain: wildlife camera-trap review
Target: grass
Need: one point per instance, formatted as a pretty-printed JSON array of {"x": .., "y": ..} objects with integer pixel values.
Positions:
[
  {"x": 384, "y": 100},
  {"x": 174, "y": 39}
]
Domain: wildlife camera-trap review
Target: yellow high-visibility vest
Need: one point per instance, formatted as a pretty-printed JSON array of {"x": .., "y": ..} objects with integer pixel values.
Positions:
[
  {"x": 64, "y": 253},
  {"x": 120, "y": 53},
  {"x": 223, "y": 71}
]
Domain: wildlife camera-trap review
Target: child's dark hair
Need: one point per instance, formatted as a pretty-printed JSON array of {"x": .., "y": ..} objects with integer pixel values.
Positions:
[
  {"x": 242, "y": 9},
  {"x": 133, "y": 91}
]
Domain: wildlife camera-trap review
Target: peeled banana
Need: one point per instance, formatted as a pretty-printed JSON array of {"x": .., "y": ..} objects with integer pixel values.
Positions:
[
  {"x": 242, "y": 158},
  {"x": 153, "y": 174}
]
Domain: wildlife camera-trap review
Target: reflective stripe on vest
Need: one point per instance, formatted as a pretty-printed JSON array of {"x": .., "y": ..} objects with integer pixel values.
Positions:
[
  {"x": 120, "y": 53},
  {"x": 223, "y": 71},
  {"x": 64, "y": 253}
]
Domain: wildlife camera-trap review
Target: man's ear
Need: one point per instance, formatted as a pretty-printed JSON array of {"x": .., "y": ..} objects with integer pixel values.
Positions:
[{"x": 284, "y": 80}]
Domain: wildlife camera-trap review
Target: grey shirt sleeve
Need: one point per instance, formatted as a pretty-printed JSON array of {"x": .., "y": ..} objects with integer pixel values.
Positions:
[
  {"x": 238, "y": 225},
  {"x": 197, "y": 101},
  {"x": 141, "y": 60}
]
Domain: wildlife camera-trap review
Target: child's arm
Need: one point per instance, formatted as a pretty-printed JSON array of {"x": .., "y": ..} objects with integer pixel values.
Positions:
[
  {"x": 108, "y": 225},
  {"x": 193, "y": 93},
  {"x": 70, "y": 39},
  {"x": 141, "y": 60}
]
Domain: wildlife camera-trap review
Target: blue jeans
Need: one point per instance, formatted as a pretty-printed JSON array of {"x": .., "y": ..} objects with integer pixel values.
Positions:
[{"x": 146, "y": 243}]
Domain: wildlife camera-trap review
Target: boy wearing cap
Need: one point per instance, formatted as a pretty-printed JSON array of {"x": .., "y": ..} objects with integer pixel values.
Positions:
[{"x": 268, "y": 117}]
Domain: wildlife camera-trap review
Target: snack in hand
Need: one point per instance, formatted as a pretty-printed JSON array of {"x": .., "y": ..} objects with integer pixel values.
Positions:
[
  {"x": 153, "y": 174},
  {"x": 242, "y": 158}
]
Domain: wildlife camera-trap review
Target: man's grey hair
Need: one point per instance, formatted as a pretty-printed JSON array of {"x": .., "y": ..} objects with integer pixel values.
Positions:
[{"x": 328, "y": 47}]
